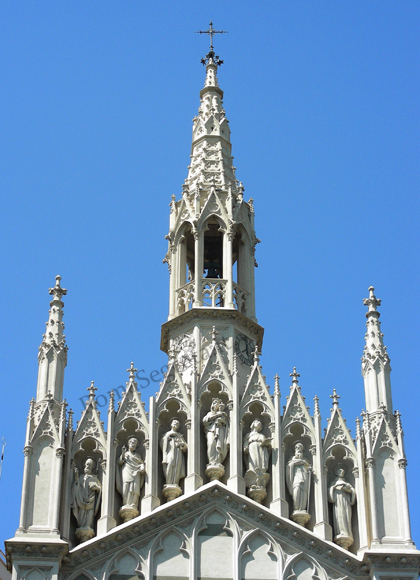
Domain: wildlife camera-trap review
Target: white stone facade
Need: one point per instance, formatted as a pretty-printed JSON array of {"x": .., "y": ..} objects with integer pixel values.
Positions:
[{"x": 214, "y": 481}]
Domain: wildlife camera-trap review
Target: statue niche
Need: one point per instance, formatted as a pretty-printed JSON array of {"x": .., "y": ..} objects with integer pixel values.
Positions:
[
  {"x": 342, "y": 495},
  {"x": 173, "y": 447},
  {"x": 130, "y": 478},
  {"x": 216, "y": 427},
  {"x": 298, "y": 478},
  {"x": 85, "y": 500},
  {"x": 257, "y": 449}
]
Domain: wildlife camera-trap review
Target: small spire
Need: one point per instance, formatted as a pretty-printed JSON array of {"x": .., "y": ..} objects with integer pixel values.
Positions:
[
  {"x": 132, "y": 375},
  {"x": 276, "y": 385},
  {"x": 235, "y": 364},
  {"x": 358, "y": 431},
  {"x": 295, "y": 376},
  {"x": 91, "y": 390},
  {"x": 63, "y": 410},
  {"x": 335, "y": 398},
  {"x": 31, "y": 414},
  {"x": 70, "y": 421},
  {"x": 111, "y": 406},
  {"x": 316, "y": 406},
  {"x": 251, "y": 204},
  {"x": 372, "y": 302},
  {"x": 398, "y": 421}
]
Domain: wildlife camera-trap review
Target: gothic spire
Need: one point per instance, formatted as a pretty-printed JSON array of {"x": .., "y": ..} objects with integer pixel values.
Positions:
[
  {"x": 375, "y": 358},
  {"x": 52, "y": 355}
]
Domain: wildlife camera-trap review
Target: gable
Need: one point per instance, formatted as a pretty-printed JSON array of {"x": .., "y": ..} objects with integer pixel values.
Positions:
[{"x": 214, "y": 530}]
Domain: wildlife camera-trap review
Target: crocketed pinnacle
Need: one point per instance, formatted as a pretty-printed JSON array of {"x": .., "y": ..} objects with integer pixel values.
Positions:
[
  {"x": 211, "y": 159},
  {"x": 374, "y": 346},
  {"x": 54, "y": 334}
]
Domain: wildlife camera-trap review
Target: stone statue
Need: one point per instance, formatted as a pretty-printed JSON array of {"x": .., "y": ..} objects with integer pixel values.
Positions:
[
  {"x": 217, "y": 433},
  {"x": 257, "y": 452},
  {"x": 130, "y": 477},
  {"x": 298, "y": 477},
  {"x": 342, "y": 495},
  {"x": 173, "y": 462},
  {"x": 85, "y": 500}
]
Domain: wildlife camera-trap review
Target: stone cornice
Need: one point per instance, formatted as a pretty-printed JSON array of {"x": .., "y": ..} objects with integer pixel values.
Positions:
[
  {"x": 30, "y": 548},
  {"x": 211, "y": 314}
]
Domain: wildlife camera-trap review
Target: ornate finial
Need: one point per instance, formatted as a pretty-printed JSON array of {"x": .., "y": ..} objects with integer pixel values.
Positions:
[
  {"x": 276, "y": 385},
  {"x": 372, "y": 302},
  {"x": 172, "y": 204},
  {"x": 57, "y": 292},
  {"x": 91, "y": 390},
  {"x": 251, "y": 204},
  {"x": 335, "y": 398},
  {"x": 111, "y": 406},
  {"x": 358, "y": 431},
  {"x": 398, "y": 421},
  {"x": 316, "y": 406},
  {"x": 214, "y": 333},
  {"x": 382, "y": 408},
  {"x": 132, "y": 375},
  {"x": 256, "y": 355},
  {"x": 211, "y": 32},
  {"x": 240, "y": 189},
  {"x": 294, "y": 376}
]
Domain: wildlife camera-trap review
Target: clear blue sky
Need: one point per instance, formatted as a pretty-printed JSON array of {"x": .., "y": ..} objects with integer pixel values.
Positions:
[{"x": 96, "y": 105}]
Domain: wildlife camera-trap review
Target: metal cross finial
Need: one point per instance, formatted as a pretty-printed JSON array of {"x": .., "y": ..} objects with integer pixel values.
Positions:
[
  {"x": 295, "y": 376},
  {"x": 211, "y": 32}
]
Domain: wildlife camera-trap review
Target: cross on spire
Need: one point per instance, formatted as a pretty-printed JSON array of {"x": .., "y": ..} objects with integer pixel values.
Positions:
[
  {"x": 294, "y": 376},
  {"x": 335, "y": 398},
  {"x": 211, "y": 32},
  {"x": 132, "y": 372}
]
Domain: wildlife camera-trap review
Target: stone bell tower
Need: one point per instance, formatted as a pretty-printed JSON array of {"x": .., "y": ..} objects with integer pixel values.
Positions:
[{"x": 212, "y": 330}]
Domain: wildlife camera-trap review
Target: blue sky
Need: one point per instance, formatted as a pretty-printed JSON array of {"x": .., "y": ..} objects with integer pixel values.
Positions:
[{"x": 96, "y": 106}]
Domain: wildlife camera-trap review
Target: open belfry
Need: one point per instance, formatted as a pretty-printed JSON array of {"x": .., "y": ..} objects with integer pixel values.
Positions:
[{"x": 217, "y": 480}]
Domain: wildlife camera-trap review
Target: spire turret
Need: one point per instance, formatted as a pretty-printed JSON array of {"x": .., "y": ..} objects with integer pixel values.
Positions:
[
  {"x": 52, "y": 355},
  {"x": 375, "y": 360}
]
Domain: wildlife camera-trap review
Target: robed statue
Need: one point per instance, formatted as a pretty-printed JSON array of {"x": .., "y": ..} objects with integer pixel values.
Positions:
[
  {"x": 130, "y": 477},
  {"x": 174, "y": 448},
  {"x": 217, "y": 433},
  {"x": 257, "y": 449},
  {"x": 298, "y": 474},
  {"x": 342, "y": 495},
  {"x": 85, "y": 500}
]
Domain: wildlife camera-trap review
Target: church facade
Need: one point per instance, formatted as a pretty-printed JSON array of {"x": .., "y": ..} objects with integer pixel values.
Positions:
[{"x": 215, "y": 481}]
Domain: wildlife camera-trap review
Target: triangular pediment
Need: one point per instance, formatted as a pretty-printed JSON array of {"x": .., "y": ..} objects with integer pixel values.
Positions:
[
  {"x": 215, "y": 369},
  {"x": 256, "y": 391},
  {"x": 132, "y": 407},
  {"x": 212, "y": 511},
  {"x": 297, "y": 413},
  {"x": 173, "y": 389},
  {"x": 90, "y": 426},
  {"x": 213, "y": 207},
  {"x": 385, "y": 438},
  {"x": 338, "y": 434},
  {"x": 46, "y": 426}
]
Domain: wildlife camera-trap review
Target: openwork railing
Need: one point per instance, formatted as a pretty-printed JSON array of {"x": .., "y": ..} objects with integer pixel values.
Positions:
[
  {"x": 185, "y": 297},
  {"x": 213, "y": 294}
]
